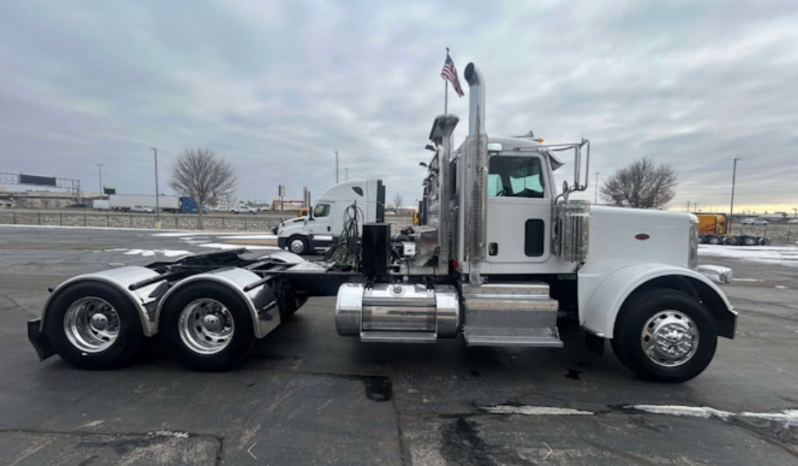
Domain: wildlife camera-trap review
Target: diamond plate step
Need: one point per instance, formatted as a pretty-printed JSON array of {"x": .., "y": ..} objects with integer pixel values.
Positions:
[{"x": 510, "y": 315}]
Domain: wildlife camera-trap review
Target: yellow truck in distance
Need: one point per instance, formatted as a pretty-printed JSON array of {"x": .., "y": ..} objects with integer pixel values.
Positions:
[{"x": 713, "y": 229}]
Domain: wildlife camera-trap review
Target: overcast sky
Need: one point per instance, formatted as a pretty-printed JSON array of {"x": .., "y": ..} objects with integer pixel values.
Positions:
[{"x": 277, "y": 87}]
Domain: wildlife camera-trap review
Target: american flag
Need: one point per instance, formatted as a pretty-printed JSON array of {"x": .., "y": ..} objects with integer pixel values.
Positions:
[{"x": 449, "y": 73}]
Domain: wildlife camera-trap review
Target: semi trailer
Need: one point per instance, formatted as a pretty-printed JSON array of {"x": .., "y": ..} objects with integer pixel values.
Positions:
[
  {"x": 501, "y": 258},
  {"x": 714, "y": 229}
]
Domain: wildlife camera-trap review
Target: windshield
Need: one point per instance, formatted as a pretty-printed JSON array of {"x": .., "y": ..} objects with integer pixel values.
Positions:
[{"x": 515, "y": 177}]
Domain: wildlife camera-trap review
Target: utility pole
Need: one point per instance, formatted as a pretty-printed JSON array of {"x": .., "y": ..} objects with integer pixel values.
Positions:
[
  {"x": 695, "y": 206},
  {"x": 157, "y": 202},
  {"x": 336, "y": 167},
  {"x": 100, "y": 166},
  {"x": 595, "y": 193},
  {"x": 347, "y": 174},
  {"x": 731, "y": 207}
]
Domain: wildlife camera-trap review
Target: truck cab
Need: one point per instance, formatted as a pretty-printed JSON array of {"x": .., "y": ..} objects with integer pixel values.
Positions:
[{"x": 325, "y": 222}]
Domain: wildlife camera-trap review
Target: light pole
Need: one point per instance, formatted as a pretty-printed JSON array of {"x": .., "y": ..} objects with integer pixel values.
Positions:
[
  {"x": 734, "y": 180},
  {"x": 336, "y": 167},
  {"x": 100, "y": 166},
  {"x": 157, "y": 203},
  {"x": 595, "y": 193}
]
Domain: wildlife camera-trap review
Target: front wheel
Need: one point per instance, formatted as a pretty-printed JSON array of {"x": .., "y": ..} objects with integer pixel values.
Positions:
[
  {"x": 665, "y": 335},
  {"x": 94, "y": 326},
  {"x": 298, "y": 245},
  {"x": 208, "y": 326}
]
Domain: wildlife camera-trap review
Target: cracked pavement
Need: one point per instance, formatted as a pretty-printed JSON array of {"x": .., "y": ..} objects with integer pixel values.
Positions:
[{"x": 308, "y": 396}]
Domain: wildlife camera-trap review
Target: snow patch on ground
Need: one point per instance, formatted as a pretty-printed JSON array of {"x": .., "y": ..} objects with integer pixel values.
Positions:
[
  {"x": 780, "y": 255},
  {"x": 536, "y": 411},
  {"x": 788, "y": 416},
  {"x": 237, "y": 246},
  {"x": 248, "y": 237},
  {"x": 690, "y": 411},
  {"x": 168, "y": 433},
  {"x": 153, "y": 252},
  {"x": 747, "y": 280}
]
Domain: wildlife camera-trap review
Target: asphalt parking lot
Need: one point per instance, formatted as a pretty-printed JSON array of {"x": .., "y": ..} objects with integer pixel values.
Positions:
[{"x": 308, "y": 396}]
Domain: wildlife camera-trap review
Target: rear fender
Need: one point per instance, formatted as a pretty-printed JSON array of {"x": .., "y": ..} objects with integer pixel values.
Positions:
[
  {"x": 599, "y": 310},
  {"x": 144, "y": 299},
  {"x": 259, "y": 299}
]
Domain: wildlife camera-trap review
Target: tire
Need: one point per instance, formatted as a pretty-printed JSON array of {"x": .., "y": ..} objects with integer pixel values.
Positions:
[
  {"x": 298, "y": 245},
  {"x": 750, "y": 241},
  {"x": 670, "y": 312},
  {"x": 85, "y": 340},
  {"x": 734, "y": 240},
  {"x": 714, "y": 240},
  {"x": 195, "y": 341},
  {"x": 764, "y": 241},
  {"x": 287, "y": 300},
  {"x": 616, "y": 348}
]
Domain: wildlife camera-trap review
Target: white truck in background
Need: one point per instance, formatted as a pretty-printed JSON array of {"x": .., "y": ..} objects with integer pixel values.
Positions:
[{"x": 327, "y": 218}]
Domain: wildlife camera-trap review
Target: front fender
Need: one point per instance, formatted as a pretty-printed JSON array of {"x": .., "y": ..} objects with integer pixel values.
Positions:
[{"x": 601, "y": 298}]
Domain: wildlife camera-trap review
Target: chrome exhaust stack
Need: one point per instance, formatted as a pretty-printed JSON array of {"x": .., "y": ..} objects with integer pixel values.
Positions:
[{"x": 476, "y": 159}]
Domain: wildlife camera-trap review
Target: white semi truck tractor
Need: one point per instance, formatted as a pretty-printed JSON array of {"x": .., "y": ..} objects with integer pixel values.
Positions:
[
  {"x": 502, "y": 258},
  {"x": 325, "y": 223}
]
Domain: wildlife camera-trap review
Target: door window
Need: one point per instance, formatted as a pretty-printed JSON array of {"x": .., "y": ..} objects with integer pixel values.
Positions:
[
  {"x": 321, "y": 210},
  {"x": 515, "y": 176}
]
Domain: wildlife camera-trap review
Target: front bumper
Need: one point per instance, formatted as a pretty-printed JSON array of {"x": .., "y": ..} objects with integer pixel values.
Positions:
[
  {"x": 716, "y": 273},
  {"x": 39, "y": 340},
  {"x": 282, "y": 243}
]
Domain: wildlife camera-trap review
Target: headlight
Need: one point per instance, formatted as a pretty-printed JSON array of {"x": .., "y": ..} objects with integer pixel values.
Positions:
[{"x": 693, "y": 257}]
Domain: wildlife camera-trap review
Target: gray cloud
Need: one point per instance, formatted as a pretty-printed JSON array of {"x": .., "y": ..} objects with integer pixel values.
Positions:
[{"x": 277, "y": 87}]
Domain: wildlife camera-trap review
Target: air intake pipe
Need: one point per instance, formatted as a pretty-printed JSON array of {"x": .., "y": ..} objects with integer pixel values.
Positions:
[{"x": 476, "y": 154}]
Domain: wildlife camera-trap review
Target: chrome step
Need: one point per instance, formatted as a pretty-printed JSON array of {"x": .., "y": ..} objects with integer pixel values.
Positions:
[
  {"x": 510, "y": 315},
  {"x": 384, "y": 336}
]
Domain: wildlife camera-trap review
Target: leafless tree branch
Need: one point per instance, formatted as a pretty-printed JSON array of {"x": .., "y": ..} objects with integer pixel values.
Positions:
[
  {"x": 641, "y": 184},
  {"x": 203, "y": 175}
]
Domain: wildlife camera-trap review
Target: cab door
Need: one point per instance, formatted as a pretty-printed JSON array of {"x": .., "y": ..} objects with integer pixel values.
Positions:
[
  {"x": 518, "y": 208},
  {"x": 320, "y": 223}
]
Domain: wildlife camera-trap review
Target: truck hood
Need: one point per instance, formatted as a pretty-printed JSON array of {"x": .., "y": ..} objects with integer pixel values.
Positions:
[{"x": 626, "y": 234}]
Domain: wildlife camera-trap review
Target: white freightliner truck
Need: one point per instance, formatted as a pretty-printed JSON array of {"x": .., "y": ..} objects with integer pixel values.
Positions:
[
  {"x": 325, "y": 223},
  {"x": 501, "y": 256}
]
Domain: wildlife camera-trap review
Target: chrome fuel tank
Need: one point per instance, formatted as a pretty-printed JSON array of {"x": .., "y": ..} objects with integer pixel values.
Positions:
[{"x": 397, "y": 312}]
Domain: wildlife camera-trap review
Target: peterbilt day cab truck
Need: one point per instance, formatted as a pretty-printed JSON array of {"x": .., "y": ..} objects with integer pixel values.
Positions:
[
  {"x": 501, "y": 258},
  {"x": 326, "y": 221}
]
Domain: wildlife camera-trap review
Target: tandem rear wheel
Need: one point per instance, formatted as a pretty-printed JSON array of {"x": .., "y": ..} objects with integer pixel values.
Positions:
[
  {"x": 207, "y": 326},
  {"x": 93, "y": 326}
]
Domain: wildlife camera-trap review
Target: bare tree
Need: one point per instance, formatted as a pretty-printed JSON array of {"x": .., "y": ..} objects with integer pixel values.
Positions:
[
  {"x": 203, "y": 176},
  {"x": 641, "y": 184},
  {"x": 396, "y": 204}
]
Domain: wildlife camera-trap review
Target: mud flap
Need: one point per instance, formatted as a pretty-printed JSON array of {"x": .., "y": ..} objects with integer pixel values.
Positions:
[{"x": 39, "y": 339}]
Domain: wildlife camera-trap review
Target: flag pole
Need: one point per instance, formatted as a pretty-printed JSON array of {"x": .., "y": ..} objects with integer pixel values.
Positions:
[{"x": 446, "y": 90}]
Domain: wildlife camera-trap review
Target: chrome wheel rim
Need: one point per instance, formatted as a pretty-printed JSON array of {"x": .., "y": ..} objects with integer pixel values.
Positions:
[
  {"x": 669, "y": 338},
  {"x": 91, "y": 324},
  {"x": 206, "y": 326},
  {"x": 297, "y": 246}
]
